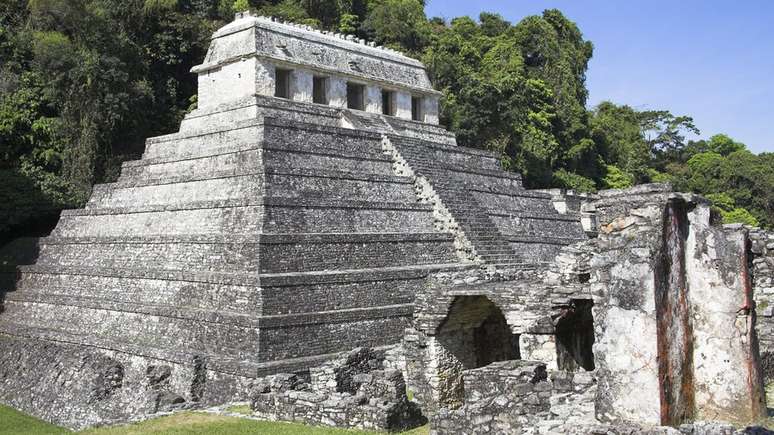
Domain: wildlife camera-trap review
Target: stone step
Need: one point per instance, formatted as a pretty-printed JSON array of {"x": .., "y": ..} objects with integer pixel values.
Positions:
[
  {"x": 61, "y": 297},
  {"x": 501, "y": 204},
  {"x": 213, "y": 253},
  {"x": 217, "y": 291},
  {"x": 279, "y": 293},
  {"x": 452, "y": 148},
  {"x": 270, "y": 214},
  {"x": 196, "y": 218},
  {"x": 327, "y": 159},
  {"x": 311, "y": 252},
  {"x": 319, "y": 215},
  {"x": 278, "y": 252},
  {"x": 298, "y": 292},
  {"x": 186, "y": 146},
  {"x": 543, "y": 230},
  {"x": 222, "y": 160},
  {"x": 181, "y": 190},
  {"x": 240, "y": 157},
  {"x": 265, "y": 134},
  {"x": 313, "y": 138},
  {"x": 338, "y": 185},
  {"x": 573, "y": 218},
  {"x": 140, "y": 325},
  {"x": 247, "y": 368},
  {"x": 296, "y": 336},
  {"x": 314, "y": 183},
  {"x": 453, "y": 155},
  {"x": 226, "y": 348},
  {"x": 551, "y": 240},
  {"x": 245, "y": 280}
]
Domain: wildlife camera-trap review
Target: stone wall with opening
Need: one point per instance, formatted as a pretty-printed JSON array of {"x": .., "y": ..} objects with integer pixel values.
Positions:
[
  {"x": 261, "y": 56},
  {"x": 613, "y": 310}
]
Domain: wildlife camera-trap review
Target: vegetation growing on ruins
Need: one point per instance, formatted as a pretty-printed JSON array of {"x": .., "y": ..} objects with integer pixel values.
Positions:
[{"x": 83, "y": 82}]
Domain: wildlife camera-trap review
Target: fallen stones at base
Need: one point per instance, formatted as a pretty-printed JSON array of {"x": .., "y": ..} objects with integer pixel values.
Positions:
[
  {"x": 518, "y": 396},
  {"x": 353, "y": 391},
  {"x": 521, "y": 397}
]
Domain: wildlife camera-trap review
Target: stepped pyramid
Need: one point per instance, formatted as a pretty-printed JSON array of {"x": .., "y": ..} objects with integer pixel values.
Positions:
[{"x": 295, "y": 215}]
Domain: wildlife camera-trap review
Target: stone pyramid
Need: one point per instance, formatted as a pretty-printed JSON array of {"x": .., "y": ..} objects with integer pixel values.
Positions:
[{"x": 283, "y": 223}]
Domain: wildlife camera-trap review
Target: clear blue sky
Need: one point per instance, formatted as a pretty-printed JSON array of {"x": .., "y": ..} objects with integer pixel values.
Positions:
[{"x": 710, "y": 59}]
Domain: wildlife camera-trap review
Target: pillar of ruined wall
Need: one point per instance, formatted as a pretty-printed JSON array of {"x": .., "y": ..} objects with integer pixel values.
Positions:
[
  {"x": 301, "y": 86},
  {"x": 430, "y": 110},
  {"x": 726, "y": 360},
  {"x": 403, "y": 105},
  {"x": 762, "y": 259},
  {"x": 373, "y": 99},
  {"x": 337, "y": 92},
  {"x": 677, "y": 321}
]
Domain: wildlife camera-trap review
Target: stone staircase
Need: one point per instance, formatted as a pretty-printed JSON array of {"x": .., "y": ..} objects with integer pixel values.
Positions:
[
  {"x": 490, "y": 244},
  {"x": 465, "y": 179}
]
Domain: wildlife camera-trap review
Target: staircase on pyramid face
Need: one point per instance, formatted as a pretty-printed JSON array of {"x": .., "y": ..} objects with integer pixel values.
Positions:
[
  {"x": 267, "y": 234},
  {"x": 505, "y": 223}
]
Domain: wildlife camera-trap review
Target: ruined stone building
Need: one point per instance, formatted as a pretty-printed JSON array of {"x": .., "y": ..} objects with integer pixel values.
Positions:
[{"x": 312, "y": 205}]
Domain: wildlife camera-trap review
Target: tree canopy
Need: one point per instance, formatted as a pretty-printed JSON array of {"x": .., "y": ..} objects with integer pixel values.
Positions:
[{"x": 84, "y": 82}]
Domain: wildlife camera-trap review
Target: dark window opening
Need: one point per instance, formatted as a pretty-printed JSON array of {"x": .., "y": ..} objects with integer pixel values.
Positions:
[
  {"x": 282, "y": 83},
  {"x": 355, "y": 96},
  {"x": 388, "y": 102},
  {"x": 416, "y": 109},
  {"x": 575, "y": 337},
  {"x": 477, "y": 334},
  {"x": 320, "y": 90},
  {"x": 583, "y": 278}
]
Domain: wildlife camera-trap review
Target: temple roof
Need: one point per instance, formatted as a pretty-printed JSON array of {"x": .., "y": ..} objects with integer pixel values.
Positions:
[{"x": 299, "y": 45}]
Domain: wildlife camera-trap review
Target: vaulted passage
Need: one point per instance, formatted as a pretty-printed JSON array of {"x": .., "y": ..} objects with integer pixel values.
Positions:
[
  {"x": 575, "y": 337},
  {"x": 476, "y": 333}
]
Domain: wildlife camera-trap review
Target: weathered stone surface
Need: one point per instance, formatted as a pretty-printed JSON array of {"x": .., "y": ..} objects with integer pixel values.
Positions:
[
  {"x": 673, "y": 339},
  {"x": 353, "y": 390},
  {"x": 243, "y": 253}
]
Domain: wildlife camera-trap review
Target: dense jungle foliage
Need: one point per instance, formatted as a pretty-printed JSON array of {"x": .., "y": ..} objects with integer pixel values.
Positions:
[{"x": 83, "y": 82}]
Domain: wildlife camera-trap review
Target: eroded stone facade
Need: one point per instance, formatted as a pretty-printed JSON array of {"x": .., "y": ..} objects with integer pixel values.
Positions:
[
  {"x": 287, "y": 222},
  {"x": 661, "y": 302}
]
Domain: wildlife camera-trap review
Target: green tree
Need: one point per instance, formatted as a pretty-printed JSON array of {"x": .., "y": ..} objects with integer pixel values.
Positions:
[
  {"x": 398, "y": 22},
  {"x": 615, "y": 178},
  {"x": 518, "y": 90}
]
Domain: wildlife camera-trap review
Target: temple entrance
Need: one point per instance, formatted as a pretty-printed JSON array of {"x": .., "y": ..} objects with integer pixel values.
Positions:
[
  {"x": 575, "y": 337},
  {"x": 476, "y": 334}
]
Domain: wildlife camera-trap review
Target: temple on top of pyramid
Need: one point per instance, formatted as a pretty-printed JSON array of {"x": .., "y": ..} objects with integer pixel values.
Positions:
[
  {"x": 311, "y": 240},
  {"x": 259, "y": 56}
]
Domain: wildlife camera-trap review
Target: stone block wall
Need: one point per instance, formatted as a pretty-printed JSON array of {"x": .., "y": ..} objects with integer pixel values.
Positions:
[
  {"x": 762, "y": 250},
  {"x": 519, "y": 397},
  {"x": 353, "y": 390},
  {"x": 258, "y": 248},
  {"x": 244, "y": 55},
  {"x": 676, "y": 314},
  {"x": 624, "y": 294}
]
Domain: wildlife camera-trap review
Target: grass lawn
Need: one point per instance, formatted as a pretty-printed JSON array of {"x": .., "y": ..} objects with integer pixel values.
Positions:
[{"x": 13, "y": 422}]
